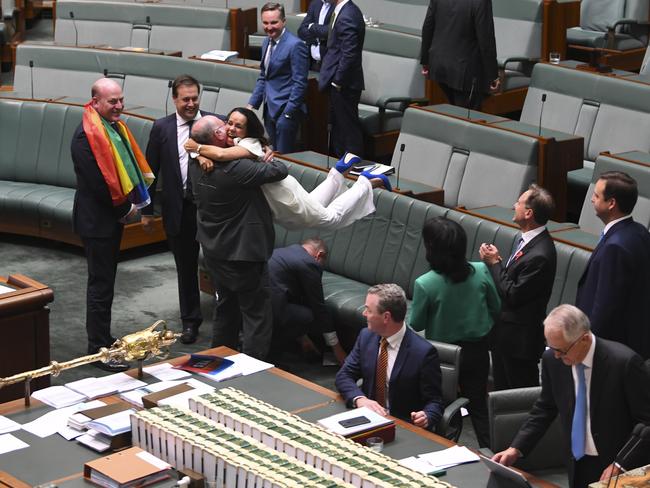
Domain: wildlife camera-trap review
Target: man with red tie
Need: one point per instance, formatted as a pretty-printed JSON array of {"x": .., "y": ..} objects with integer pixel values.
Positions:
[{"x": 400, "y": 370}]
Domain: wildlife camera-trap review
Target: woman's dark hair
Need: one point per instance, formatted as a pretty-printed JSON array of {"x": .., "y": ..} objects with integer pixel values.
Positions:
[
  {"x": 446, "y": 242},
  {"x": 254, "y": 127}
]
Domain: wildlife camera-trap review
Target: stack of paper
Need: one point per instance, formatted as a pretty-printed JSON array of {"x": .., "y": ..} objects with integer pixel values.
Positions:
[
  {"x": 10, "y": 443},
  {"x": 333, "y": 423},
  {"x": 107, "y": 385},
  {"x": 58, "y": 396},
  {"x": 8, "y": 425},
  {"x": 112, "y": 425},
  {"x": 165, "y": 372},
  {"x": 439, "y": 460},
  {"x": 218, "y": 55}
]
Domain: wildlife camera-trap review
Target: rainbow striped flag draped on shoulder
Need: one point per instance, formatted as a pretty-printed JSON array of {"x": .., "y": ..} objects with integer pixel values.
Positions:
[{"x": 119, "y": 158}]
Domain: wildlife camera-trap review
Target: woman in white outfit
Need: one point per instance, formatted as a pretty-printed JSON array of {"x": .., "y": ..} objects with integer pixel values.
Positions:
[{"x": 331, "y": 205}]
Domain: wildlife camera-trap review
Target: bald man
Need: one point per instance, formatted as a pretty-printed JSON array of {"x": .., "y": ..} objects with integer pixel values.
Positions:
[
  {"x": 99, "y": 220},
  {"x": 235, "y": 230}
]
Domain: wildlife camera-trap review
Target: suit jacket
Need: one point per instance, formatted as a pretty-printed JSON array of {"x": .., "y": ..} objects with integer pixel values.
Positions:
[
  {"x": 93, "y": 213},
  {"x": 162, "y": 156},
  {"x": 614, "y": 290},
  {"x": 458, "y": 44},
  {"x": 525, "y": 288},
  {"x": 283, "y": 83},
  {"x": 296, "y": 277},
  {"x": 414, "y": 381},
  {"x": 317, "y": 32},
  {"x": 342, "y": 61},
  {"x": 233, "y": 218},
  {"x": 619, "y": 398}
]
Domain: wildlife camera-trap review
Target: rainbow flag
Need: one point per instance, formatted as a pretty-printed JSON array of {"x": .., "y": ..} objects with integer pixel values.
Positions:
[{"x": 119, "y": 158}]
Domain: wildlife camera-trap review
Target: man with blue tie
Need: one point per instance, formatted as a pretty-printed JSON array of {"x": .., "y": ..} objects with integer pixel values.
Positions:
[
  {"x": 282, "y": 83},
  {"x": 614, "y": 289},
  {"x": 400, "y": 370},
  {"x": 599, "y": 388},
  {"x": 314, "y": 28}
]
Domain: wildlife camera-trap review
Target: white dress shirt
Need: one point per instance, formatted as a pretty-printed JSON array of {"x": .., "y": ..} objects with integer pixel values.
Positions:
[
  {"x": 315, "y": 48},
  {"x": 614, "y": 222},
  {"x": 182, "y": 135}
]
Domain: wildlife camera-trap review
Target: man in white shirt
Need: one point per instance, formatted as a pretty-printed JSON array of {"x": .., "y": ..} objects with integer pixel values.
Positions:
[
  {"x": 599, "y": 388},
  {"x": 400, "y": 370},
  {"x": 167, "y": 157},
  {"x": 314, "y": 29}
]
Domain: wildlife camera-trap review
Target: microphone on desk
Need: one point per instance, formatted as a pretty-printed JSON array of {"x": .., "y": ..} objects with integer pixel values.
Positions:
[
  {"x": 643, "y": 436},
  {"x": 245, "y": 48},
  {"x": 541, "y": 112},
  {"x": 634, "y": 440},
  {"x": 169, "y": 89},
  {"x": 31, "y": 76},
  {"x": 105, "y": 73},
  {"x": 329, "y": 141},
  {"x": 399, "y": 163},
  {"x": 469, "y": 102},
  {"x": 76, "y": 32},
  {"x": 148, "y": 22}
]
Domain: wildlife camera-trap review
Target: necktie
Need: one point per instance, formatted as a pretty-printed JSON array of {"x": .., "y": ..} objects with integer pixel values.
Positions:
[
  {"x": 578, "y": 427},
  {"x": 520, "y": 244},
  {"x": 188, "y": 182},
  {"x": 380, "y": 375},
  {"x": 269, "y": 53}
]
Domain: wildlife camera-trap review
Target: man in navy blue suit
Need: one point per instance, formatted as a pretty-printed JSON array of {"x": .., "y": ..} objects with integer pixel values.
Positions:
[
  {"x": 614, "y": 290},
  {"x": 341, "y": 76},
  {"x": 314, "y": 29},
  {"x": 400, "y": 370},
  {"x": 167, "y": 157},
  {"x": 282, "y": 83}
]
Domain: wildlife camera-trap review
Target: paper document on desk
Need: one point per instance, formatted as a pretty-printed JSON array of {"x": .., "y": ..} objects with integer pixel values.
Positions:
[
  {"x": 114, "y": 424},
  {"x": 218, "y": 55},
  {"x": 7, "y": 425},
  {"x": 58, "y": 396},
  {"x": 10, "y": 443},
  {"x": 333, "y": 423},
  {"x": 166, "y": 372},
  {"x": 452, "y": 456},
  {"x": 248, "y": 365},
  {"x": 53, "y": 421}
]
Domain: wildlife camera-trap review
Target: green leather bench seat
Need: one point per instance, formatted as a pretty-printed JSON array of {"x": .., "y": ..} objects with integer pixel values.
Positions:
[
  {"x": 386, "y": 247},
  {"x": 192, "y": 29},
  {"x": 58, "y": 71},
  {"x": 476, "y": 165},
  {"x": 611, "y": 113},
  {"x": 37, "y": 180}
]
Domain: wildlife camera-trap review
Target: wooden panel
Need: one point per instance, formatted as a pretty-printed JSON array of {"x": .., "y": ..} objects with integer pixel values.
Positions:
[{"x": 242, "y": 23}]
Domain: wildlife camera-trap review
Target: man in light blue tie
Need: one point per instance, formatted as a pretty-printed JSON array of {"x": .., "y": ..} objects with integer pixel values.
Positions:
[
  {"x": 600, "y": 389},
  {"x": 282, "y": 83}
]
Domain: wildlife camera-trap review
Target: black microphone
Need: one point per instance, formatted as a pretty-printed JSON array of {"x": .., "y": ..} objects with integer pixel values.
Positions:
[
  {"x": 469, "y": 102},
  {"x": 76, "y": 32},
  {"x": 245, "y": 48},
  {"x": 169, "y": 89},
  {"x": 541, "y": 111},
  {"x": 31, "y": 76},
  {"x": 329, "y": 141},
  {"x": 643, "y": 436},
  {"x": 399, "y": 163},
  {"x": 105, "y": 73},
  {"x": 148, "y": 22},
  {"x": 625, "y": 449}
]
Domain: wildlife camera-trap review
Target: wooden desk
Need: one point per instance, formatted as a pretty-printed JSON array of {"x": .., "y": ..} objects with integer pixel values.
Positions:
[
  {"x": 277, "y": 387},
  {"x": 25, "y": 326},
  {"x": 320, "y": 161}
]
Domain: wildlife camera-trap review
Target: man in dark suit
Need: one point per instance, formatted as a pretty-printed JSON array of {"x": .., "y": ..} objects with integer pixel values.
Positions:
[
  {"x": 525, "y": 282},
  {"x": 235, "y": 229},
  {"x": 459, "y": 50},
  {"x": 600, "y": 389},
  {"x": 341, "y": 76},
  {"x": 282, "y": 83},
  {"x": 296, "y": 274},
  {"x": 314, "y": 29},
  {"x": 614, "y": 290},
  {"x": 167, "y": 157},
  {"x": 99, "y": 222},
  {"x": 400, "y": 370}
]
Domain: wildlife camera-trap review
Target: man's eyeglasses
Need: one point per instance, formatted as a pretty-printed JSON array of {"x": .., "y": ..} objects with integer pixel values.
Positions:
[{"x": 564, "y": 353}]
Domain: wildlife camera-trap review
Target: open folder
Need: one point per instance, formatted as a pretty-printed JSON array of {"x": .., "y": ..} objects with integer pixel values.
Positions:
[{"x": 131, "y": 467}]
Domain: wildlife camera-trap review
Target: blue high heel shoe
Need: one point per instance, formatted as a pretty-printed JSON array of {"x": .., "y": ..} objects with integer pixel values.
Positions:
[
  {"x": 346, "y": 162},
  {"x": 383, "y": 178}
]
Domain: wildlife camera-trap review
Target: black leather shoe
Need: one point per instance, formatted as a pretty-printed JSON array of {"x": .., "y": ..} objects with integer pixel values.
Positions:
[
  {"x": 112, "y": 366},
  {"x": 189, "y": 335}
]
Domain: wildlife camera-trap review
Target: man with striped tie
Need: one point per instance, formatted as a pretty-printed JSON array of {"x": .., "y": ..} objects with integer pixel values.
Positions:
[
  {"x": 400, "y": 370},
  {"x": 600, "y": 389}
]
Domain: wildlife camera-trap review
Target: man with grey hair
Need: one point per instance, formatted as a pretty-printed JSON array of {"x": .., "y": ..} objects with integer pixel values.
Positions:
[
  {"x": 600, "y": 389},
  {"x": 525, "y": 281},
  {"x": 235, "y": 230},
  {"x": 400, "y": 370}
]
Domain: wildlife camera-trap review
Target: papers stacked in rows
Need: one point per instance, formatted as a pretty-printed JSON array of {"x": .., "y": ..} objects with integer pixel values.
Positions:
[{"x": 304, "y": 441}]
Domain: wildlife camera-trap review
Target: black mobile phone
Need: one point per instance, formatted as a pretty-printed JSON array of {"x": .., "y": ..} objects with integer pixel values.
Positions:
[{"x": 353, "y": 422}]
